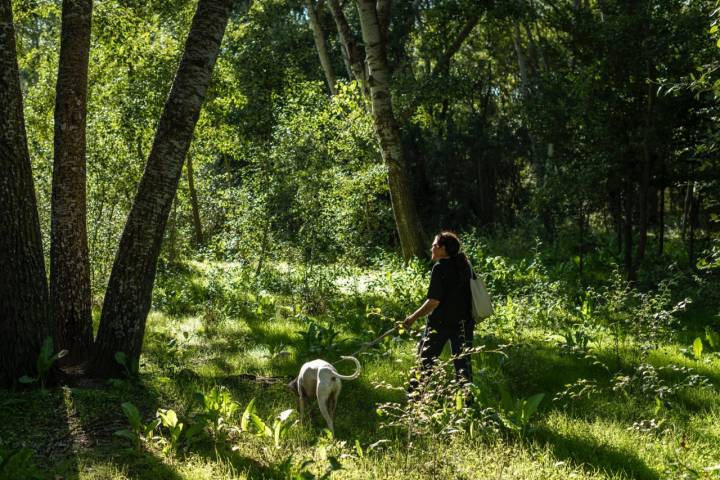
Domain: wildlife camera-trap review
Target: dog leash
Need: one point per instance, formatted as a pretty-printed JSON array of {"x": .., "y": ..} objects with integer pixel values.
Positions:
[{"x": 365, "y": 346}]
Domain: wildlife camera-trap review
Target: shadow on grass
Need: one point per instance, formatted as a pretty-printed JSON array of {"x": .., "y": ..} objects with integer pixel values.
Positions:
[
  {"x": 251, "y": 467},
  {"x": 581, "y": 452},
  {"x": 38, "y": 419},
  {"x": 96, "y": 414},
  {"x": 535, "y": 366}
]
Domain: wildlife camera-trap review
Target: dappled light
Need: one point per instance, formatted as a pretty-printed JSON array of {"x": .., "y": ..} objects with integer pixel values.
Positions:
[{"x": 324, "y": 239}]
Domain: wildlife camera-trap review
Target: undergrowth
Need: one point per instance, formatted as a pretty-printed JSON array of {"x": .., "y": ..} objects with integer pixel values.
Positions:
[{"x": 605, "y": 380}]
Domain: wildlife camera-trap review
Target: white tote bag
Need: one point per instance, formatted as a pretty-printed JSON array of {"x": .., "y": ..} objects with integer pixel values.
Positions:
[{"x": 481, "y": 303}]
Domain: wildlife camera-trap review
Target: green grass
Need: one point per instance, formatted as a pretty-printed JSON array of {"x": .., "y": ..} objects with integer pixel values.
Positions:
[{"x": 217, "y": 326}]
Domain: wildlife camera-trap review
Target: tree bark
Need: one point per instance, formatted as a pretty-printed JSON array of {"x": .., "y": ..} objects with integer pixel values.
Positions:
[
  {"x": 386, "y": 128},
  {"x": 129, "y": 292},
  {"x": 383, "y": 8},
  {"x": 661, "y": 221},
  {"x": 647, "y": 167},
  {"x": 69, "y": 260},
  {"x": 194, "y": 204},
  {"x": 628, "y": 231},
  {"x": 522, "y": 61},
  {"x": 321, "y": 47},
  {"x": 694, "y": 217},
  {"x": 689, "y": 193},
  {"x": 24, "y": 321},
  {"x": 351, "y": 50}
]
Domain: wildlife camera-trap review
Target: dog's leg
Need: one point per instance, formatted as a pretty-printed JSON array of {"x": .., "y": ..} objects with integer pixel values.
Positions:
[
  {"x": 301, "y": 402},
  {"x": 332, "y": 404},
  {"x": 323, "y": 398},
  {"x": 326, "y": 414}
]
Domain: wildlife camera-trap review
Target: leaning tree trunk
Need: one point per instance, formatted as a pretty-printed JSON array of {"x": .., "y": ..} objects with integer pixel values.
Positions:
[
  {"x": 129, "y": 292},
  {"x": 388, "y": 133},
  {"x": 69, "y": 261},
  {"x": 320, "y": 45},
  {"x": 23, "y": 285}
]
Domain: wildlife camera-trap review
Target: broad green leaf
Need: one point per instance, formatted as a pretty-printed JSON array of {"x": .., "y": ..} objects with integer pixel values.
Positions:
[
  {"x": 245, "y": 420},
  {"x": 133, "y": 415},
  {"x": 532, "y": 404},
  {"x": 126, "y": 434},
  {"x": 260, "y": 425},
  {"x": 697, "y": 348},
  {"x": 713, "y": 338},
  {"x": 169, "y": 417}
]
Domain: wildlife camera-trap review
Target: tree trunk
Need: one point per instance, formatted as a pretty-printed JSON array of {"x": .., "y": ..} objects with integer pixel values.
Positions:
[
  {"x": 628, "y": 231},
  {"x": 686, "y": 207},
  {"x": 24, "y": 321},
  {"x": 172, "y": 233},
  {"x": 129, "y": 292},
  {"x": 693, "y": 220},
  {"x": 581, "y": 254},
  {"x": 388, "y": 133},
  {"x": 353, "y": 54},
  {"x": 642, "y": 210},
  {"x": 320, "y": 46},
  {"x": 661, "y": 221},
  {"x": 648, "y": 154},
  {"x": 522, "y": 61},
  {"x": 69, "y": 260},
  {"x": 194, "y": 204}
]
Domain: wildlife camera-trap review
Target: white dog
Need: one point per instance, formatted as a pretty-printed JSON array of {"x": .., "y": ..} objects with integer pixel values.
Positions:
[{"x": 319, "y": 379}]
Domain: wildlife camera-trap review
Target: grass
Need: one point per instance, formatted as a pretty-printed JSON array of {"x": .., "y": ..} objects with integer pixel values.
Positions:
[{"x": 213, "y": 323}]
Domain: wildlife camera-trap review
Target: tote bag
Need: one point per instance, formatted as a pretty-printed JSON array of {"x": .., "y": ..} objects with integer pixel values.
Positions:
[{"x": 481, "y": 303}]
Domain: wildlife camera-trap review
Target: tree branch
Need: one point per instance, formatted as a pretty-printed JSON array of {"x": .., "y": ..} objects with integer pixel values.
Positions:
[{"x": 442, "y": 64}]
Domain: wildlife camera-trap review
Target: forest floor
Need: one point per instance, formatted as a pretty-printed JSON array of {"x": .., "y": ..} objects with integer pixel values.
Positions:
[{"x": 612, "y": 406}]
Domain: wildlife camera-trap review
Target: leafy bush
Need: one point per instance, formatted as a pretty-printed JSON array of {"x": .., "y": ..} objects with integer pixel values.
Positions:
[{"x": 16, "y": 464}]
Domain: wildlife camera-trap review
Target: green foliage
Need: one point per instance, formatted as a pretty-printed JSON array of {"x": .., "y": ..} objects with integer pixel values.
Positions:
[
  {"x": 277, "y": 430},
  {"x": 697, "y": 348},
  {"x": 439, "y": 406},
  {"x": 169, "y": 420},
  {"x": 139, "y": 432},
  {"x": 292, "y": 471},
  {"x": 705, "y": 350},
  {"x": 516, "y": 413},
  {"x": 16, "y": 464},
  {"x": 216, "y": 408},
  {"x": 45, "y": 360},
  {"x": 646, "y": 380},
  {"x": 319, "y": 339},
  {"x": 169, "y": 352},
  {"x": 123, "y": 361}
]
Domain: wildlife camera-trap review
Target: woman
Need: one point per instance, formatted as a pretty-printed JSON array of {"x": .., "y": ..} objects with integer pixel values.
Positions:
[{"x": 448, "y": 306}]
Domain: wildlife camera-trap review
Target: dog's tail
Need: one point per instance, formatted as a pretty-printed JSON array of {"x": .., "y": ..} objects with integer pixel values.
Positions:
[{"x": 354, "y": 375}]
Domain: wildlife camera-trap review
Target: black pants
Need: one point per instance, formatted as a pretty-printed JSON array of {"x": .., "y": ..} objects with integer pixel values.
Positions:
[{"x": 434, "y": 340}]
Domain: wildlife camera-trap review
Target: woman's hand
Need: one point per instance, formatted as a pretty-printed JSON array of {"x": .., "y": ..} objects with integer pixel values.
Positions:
[{"x": 409, "y": 320}]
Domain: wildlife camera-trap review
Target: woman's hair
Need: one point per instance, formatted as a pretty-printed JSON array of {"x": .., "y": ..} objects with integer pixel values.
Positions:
[{"x": 451, "y": 242}]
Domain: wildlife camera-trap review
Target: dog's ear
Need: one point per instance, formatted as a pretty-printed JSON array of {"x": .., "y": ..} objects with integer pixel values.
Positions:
[{"x": 292, "y": 386}]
